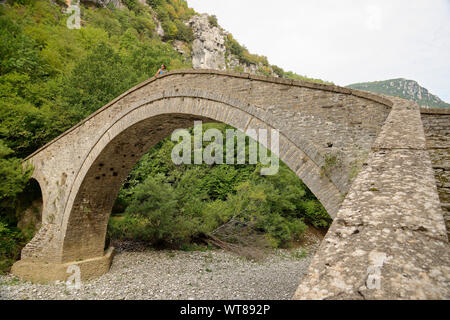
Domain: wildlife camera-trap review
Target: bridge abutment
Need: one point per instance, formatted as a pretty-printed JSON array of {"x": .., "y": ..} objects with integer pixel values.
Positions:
[{"x": 47, "y": 272}]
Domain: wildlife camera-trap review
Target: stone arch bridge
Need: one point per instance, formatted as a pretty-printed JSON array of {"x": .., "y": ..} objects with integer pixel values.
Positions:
[{"x": 364, "y": 156}]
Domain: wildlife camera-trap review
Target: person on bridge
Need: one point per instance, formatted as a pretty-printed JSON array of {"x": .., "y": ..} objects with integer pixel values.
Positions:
[{"x": 161, "y": 70}]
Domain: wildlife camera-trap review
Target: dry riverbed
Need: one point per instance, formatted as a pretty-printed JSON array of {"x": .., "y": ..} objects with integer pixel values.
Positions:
[{"x": 149, "y": 274}]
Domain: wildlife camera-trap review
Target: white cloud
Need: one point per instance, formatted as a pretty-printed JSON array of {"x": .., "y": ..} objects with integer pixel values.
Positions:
[{"x": 345, "y": 41}]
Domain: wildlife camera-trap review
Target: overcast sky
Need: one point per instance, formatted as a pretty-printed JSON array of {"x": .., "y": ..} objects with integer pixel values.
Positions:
[{"x": 345, "y": 41}]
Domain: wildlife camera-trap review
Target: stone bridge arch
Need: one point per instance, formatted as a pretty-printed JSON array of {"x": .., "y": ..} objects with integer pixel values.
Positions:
[
  {"x": 132, "y": 134},
  {"x": 82, "y": 170}
]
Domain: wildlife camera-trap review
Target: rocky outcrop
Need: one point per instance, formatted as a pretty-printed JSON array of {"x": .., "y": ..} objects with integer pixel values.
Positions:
[
  {"x": 234, "y": 64},
  {"x": 207, "y": 51},
  {"x": 413, "y": 89},
  {"x": 208, "y": 48},
  {"x": 159, "y": 28}
]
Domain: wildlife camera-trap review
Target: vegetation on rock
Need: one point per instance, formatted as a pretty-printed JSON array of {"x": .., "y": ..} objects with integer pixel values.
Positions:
[{"x": 406, "y": 89}]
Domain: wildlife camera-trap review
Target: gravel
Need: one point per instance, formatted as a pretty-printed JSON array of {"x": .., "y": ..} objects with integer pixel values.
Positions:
[{"x": 167, "y": 275}]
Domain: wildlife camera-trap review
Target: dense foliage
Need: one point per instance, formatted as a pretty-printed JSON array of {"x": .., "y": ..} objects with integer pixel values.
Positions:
[
  {"x": 173, "y": 205},
  {"x": 51, "y": 77},
  {"x": 173, "y": 14}
]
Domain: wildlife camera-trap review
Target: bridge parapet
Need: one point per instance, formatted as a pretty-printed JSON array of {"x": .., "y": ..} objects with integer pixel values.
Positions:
[
  {"x": 388, "y": 240},
  {"x": 436, "y": 124}
]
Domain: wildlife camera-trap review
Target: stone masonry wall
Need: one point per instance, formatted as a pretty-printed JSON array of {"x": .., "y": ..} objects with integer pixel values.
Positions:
[
  {"x": 388, "y": 240},
  {"x": 325, "y": 122},
  {"x": 436, "y": 124}
]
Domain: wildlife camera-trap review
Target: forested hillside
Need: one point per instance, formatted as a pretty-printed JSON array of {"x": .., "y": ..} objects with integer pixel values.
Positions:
[
  {"x": 51, "y": 77},
  {"x": 403, "y": 88}
]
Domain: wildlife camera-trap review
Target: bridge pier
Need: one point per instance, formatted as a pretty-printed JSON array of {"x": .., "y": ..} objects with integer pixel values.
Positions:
[{"x": 47, "y": 272}]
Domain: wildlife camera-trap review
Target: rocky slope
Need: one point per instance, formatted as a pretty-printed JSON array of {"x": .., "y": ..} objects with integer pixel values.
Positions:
[
  {"x": 403, "y": 88},
  {"x": 209, "y": 48}
]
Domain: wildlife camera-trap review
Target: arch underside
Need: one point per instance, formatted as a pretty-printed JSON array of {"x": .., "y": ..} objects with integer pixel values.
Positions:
[
  {"x": 30, "y": 206},
  {"x": 130, "y": 137}
]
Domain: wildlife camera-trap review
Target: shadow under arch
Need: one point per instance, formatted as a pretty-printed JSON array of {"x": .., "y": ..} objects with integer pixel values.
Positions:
[
  {"x": 31, "y": 206},
  {"x": 130, "y": 136}
]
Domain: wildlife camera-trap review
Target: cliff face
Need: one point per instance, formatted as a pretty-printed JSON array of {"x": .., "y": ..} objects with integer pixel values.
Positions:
[
  {"x": 403, "y": 88},
  {"x": 208, "y": 47}
]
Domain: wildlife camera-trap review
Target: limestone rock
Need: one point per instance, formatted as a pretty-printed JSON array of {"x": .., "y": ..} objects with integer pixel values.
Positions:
[
  {"x": 159, "y": 28},
  {"x": 235, "y": 64},
  {"x": 180, "y": 46},
  {"x": 208, "y": 48}
]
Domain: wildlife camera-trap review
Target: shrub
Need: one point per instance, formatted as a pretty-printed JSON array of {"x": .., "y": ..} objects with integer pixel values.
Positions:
[
  {"x": 130, "y": 4},
  {"x": 185, "y": 32},
  {"x": 97, "y": 79},
  {"x": 233, "y": 46},
  {"x": 170, "y": 30},
  {"x": 213, "y": 21},
  {"x": 153, "y": 216},
  {"x": 316, "y": 214},
  {"x": 242, "y": 53},
  {"x": 13, "y": 177},
  {"x": 264, "y": 71},
  {"x": 331, "y": 161},
  {"x": 155, "y": 3},
  {"x": 11, "y": 243},
  {"x": 278, "y": 71}
]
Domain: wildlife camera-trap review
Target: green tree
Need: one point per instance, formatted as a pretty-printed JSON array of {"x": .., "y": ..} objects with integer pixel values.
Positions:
[
  {"x": 184, "y": 33},
  {"x": 154, "y": 216},
  {"x": 18, "y": 52},
  {"x": 98, "y": 79},
  {"x": 13, "y": 176}
]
